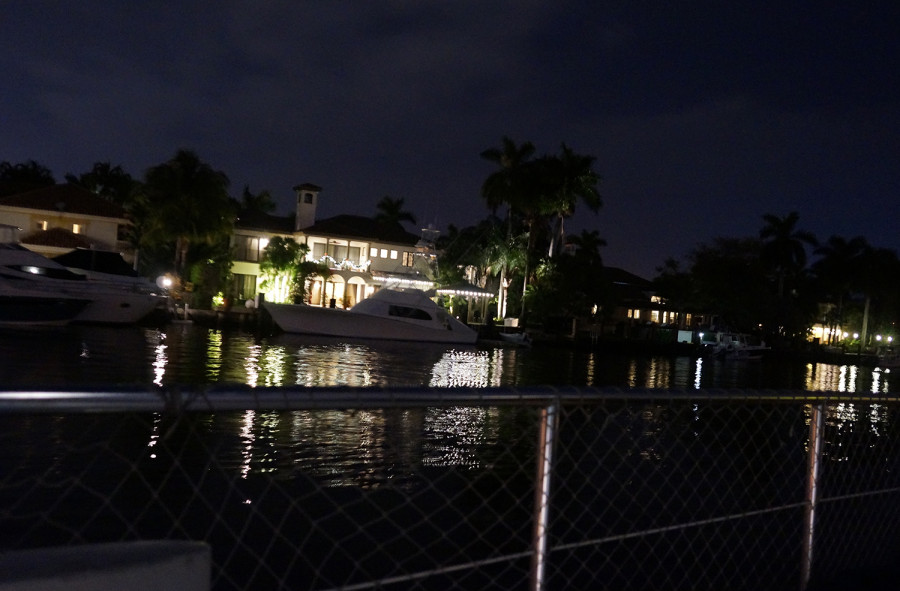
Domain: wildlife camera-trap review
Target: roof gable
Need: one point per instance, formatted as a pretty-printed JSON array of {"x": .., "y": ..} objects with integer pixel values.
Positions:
[
  {"x": 264, "y": 222},
  {"x": 357, "y": 226},
  {"x": 66, "y": 198}
]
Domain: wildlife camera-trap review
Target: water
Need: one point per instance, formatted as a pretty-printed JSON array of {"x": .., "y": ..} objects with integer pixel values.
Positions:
[
  {"x": 186, "y": 354},
  {"x": 328, "y": 481}
]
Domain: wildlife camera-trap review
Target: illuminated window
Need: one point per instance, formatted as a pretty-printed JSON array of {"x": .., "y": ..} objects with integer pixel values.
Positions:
[
  {"x": 76, "y": 228},
  {"x": 408, "y": 259},
  {"x": 373, "y": 253},
  {"x": 654, "y": 316},
  {"x": 249, "y": 248},
  {"x": 384, "y": 253},
  {"x": 42, "y": 225},
  {"x": 394, "y": 254}
]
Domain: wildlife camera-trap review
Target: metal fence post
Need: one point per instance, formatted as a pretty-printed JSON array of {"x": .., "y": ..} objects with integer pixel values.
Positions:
[
  {"x": 816, "y": 422},
  {"x": 546, "y": 444}
]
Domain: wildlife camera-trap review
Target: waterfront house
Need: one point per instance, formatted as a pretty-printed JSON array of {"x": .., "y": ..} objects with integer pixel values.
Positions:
[
  {"x": 361, "y": 253},
  {"x": 638, "y": 312},
  {"x": 58, "y": 218}
]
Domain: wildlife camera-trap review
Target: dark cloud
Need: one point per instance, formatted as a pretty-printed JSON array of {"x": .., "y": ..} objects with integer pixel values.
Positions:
[{"x": 703, "y": 116}]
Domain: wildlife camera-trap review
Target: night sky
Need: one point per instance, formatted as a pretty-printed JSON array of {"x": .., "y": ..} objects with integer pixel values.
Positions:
[{"x": 703, "y": 116}]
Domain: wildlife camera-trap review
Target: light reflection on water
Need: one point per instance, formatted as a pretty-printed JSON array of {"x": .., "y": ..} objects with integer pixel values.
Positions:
[
  {"x": 823, "y": 377},
  {"x": 365, "y": 448}
]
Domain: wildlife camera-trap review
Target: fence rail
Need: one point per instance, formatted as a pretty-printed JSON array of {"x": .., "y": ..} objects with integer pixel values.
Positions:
[{"x": 418, "y": 488}]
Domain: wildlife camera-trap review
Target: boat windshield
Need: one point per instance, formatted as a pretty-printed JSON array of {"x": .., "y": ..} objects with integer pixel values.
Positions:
[{"x": 408, "y": 312}]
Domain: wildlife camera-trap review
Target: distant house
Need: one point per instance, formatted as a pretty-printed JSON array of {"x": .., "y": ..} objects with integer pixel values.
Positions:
[
  {"x": 638, "y": 309},
  {"x": 58, "y": 218},
  {"x": 361, "y": 253}
]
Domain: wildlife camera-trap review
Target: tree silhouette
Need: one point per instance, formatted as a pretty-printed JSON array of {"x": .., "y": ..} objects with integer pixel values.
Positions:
[
  {"x": 261, "y": 202},
  {"x": 570, "y": 178},
  {"x": 24, "y": 176},
  {"x": 390, "y": 211},
  {"x": 187, "y": 203},
  {"x": 784, "y": 246}
]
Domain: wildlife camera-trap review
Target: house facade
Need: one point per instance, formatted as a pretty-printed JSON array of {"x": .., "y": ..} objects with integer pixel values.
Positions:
[
  {"x": 361, "y": 253},
  {"x": 55, "y": 219},
  {"x": 640, "y": 313}
]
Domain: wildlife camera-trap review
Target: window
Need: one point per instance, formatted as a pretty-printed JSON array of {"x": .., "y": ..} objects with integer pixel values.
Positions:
[
  {"x": 338, "y": 252},
  {"x": 248, "y": 248},
  {"x": 243, "y": 286},
  {"x": 407, "y": 312},
  {"x": 307, "y": 198},
  {"x": 383, "y": 253},
  {"x": 42, "y": 225},
  {"x": 76, "y": 228},
  {"x": 394, "y": 254},
  {"x": 408, "y": 259},
  {"x": 318, "y": 250},
  {"x": 373, "y": 253}
]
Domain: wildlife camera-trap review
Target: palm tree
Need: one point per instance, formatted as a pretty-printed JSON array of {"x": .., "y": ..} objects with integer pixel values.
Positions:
[
  {"x": 29, "y": 171},
  {"x": 187, "y": 203},
  {"x": 390, "y": 211},
  {"x": 588, "y": 244},
  {"x": 571, "y": 178},
  {"x": 108, "y": 181},
  {"x": 500, "y": 255},
  {"x": 784, "y": 247},
  {"x": 511, "y": 185},
  {"x": 875, "y": 272},
  {"x": 508, "y": 185},
  {"x": 836, "y": 269},
  {"x": 261, "y": 202}
]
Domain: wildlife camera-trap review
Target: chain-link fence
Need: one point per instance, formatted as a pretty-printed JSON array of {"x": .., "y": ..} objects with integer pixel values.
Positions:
[{"x": 466, "y": 489}]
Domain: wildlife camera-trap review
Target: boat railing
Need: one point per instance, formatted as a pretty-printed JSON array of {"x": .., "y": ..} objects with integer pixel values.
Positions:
[{"x": 423, "y": 488}]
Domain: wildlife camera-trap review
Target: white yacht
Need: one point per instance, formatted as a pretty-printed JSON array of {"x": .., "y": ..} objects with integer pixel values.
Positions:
[
  {"x": 26, "y": 275},
  {"x": 388, "y": 314}
]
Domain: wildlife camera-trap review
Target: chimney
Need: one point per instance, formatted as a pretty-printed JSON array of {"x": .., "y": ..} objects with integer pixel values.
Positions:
[{"x": 307, "y": 199}]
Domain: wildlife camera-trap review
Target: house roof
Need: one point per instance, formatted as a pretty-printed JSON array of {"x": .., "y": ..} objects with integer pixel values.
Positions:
[
  {"x": 628, "y": 286},
  {"x": 65, "y": 198},
  {"x": 56, "y": 237},
  {"x": 619, "y": 276},
  {"x": 361, "y": 227},
  {"x": 264, "y": 222},
  {"x": 16, "y": 187}
]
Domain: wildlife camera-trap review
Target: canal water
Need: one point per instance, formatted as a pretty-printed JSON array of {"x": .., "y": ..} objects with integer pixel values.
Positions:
[
  {"x": 331, "y": 482},
  {"x": 187, "y": 354}
]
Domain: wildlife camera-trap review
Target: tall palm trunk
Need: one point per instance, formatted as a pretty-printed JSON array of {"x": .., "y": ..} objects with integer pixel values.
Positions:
[
  {"x": 502, "y": 296},
  {"x": 865, "y": 322}
]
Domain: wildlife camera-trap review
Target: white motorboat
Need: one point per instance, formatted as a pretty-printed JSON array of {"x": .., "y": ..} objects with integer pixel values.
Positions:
[
  {"x": 731, "y": 345},
  {"x": 20, "y": 308},
  {"x": 27, "y": 274},
  {"x": 388, "y": 314},
  {"x": 517, "y": 339}
]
